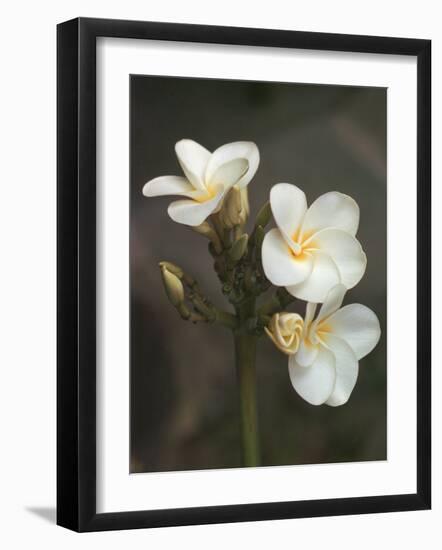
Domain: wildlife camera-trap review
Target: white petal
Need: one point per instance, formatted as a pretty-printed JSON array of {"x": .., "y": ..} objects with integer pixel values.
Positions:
[
  {"x": 358, "y": 326},
  {"x": 346, "y": 252},
  {"x": 193, "y": 159},
  {"x": 315, "y": 383},
  {"x": 280, "y": 265},
  {"x": 331, "y": 210},
  {"x": 191, "y": 212},
  {"x": 306, "y": 353},
  {"x": 229, "y": 173},
  {"x": 168, "y": 185},
  {"x": 332, "y": 303},
  {"x": 289, "y": 205},
  {"x": 245, "y": 150},
  {"x": 347, "y": 369},
  {"x": 310, "y": 310},
  {"x": 323, "y": 277}
]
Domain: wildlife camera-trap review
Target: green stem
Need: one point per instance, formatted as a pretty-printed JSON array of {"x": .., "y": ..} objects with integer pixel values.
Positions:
[
  {"x": 226, "y": 319},
  {"x": 278, "y": 302},
  {"x": 245, "y": 355}
]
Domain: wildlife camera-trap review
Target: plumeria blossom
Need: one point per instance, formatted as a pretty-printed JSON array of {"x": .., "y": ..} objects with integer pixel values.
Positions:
[
  {"x": 207, "y": 178},
  {"x": 324, "y": 352},
  {"x": 312, "y": 249},
  {"x": 325, "y": 367}
]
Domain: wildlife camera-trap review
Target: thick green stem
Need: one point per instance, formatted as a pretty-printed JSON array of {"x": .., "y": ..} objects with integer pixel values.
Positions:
[{"x": 245, "y": 355}]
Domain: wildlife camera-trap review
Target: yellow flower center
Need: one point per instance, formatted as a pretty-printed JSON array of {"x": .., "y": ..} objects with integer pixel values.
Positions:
[
  {"x": 296, "y": 249},
  {"x": 299, "y": 247},
  {"x": 207, "y": 194}
]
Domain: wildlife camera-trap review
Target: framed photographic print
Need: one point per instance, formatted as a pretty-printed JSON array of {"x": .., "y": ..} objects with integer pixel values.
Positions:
[{"x": 243, "y": 274}]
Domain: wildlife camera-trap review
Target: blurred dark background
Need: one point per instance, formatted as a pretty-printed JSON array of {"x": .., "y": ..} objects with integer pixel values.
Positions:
[{"x": 184, "y": 401}]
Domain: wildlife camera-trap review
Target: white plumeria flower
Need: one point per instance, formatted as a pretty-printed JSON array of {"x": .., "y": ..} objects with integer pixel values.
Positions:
[
  {"x": 313, "y": 249},
  {"x": 208, "y": 177},
  {"x": 325, "y": 367}
]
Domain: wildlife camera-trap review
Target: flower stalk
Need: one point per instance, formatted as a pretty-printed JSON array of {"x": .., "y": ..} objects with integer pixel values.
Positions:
[
  {"x": 245, "y": 359},
  {"x": 237, "y": 262}
]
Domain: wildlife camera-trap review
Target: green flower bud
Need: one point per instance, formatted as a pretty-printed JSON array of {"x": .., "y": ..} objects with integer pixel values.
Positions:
[
  {"x": 239, "y": 248},
  {"x": 173, "y": 286},
  {"x": 259, "y": 236},
  {"x": 264, "y": 215},
  {"x": 172, "y": 268}
]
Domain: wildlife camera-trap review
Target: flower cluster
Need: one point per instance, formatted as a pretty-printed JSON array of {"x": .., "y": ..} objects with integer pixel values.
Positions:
[{"x": 312, "y": 254}]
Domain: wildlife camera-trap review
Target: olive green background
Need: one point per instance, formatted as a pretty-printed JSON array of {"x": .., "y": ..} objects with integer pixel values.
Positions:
[{"x": 184, "y": 400}]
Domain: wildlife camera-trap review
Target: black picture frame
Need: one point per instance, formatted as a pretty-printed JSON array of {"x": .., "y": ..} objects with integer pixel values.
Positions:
[{"x": 76, "y": 274}]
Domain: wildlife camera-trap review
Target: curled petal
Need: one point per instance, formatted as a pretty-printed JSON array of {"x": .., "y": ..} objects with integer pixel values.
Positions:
[
  {"x": 346, "y": 252},
  {"x": 193, "y": 213},
  {"x": 289, "y": 205},
  {"x": 229, "y": 173},
  {"x": 331, "y": 210},
  {"x": 281, "y": 267},
  {"x": 285, "y": 330},
  {"x": 193, "y": 159},
  {"x": 358, "y": 326},
  {"x": 316, "y": 382},
  {"x": 168, "y": 185},
  {"x": 245, "y": 150},
  {"x": 321, "y": 279},
  {"x": 347, "y": 369}
]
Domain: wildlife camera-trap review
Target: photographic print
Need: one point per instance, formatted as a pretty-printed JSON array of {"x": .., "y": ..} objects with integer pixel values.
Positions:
[
  {"x": 223, "y": 251},
  {"x": 257, "y": 274}
]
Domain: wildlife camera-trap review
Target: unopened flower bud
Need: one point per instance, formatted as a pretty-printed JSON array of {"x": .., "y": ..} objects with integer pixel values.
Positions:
[
  {"x": 245, "y": 203},
  {"x": 259, "y": 236},
  {"x": 234, "y": 204},
  {"x": 285, "y": 330},
  {"x": 174, "y": 287},
  {"x": 172, "y": 268},
  {"x": 207, "y": 231},
  {"x": 264, "y": 215},
  {"x": 239, "y": 248},
  {"x": 235, "y": 209},
  {"x": 204, "y": 229}
]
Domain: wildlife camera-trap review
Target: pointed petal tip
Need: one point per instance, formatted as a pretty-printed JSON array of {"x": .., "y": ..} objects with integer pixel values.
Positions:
[{"x": 145, "y": 190}]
